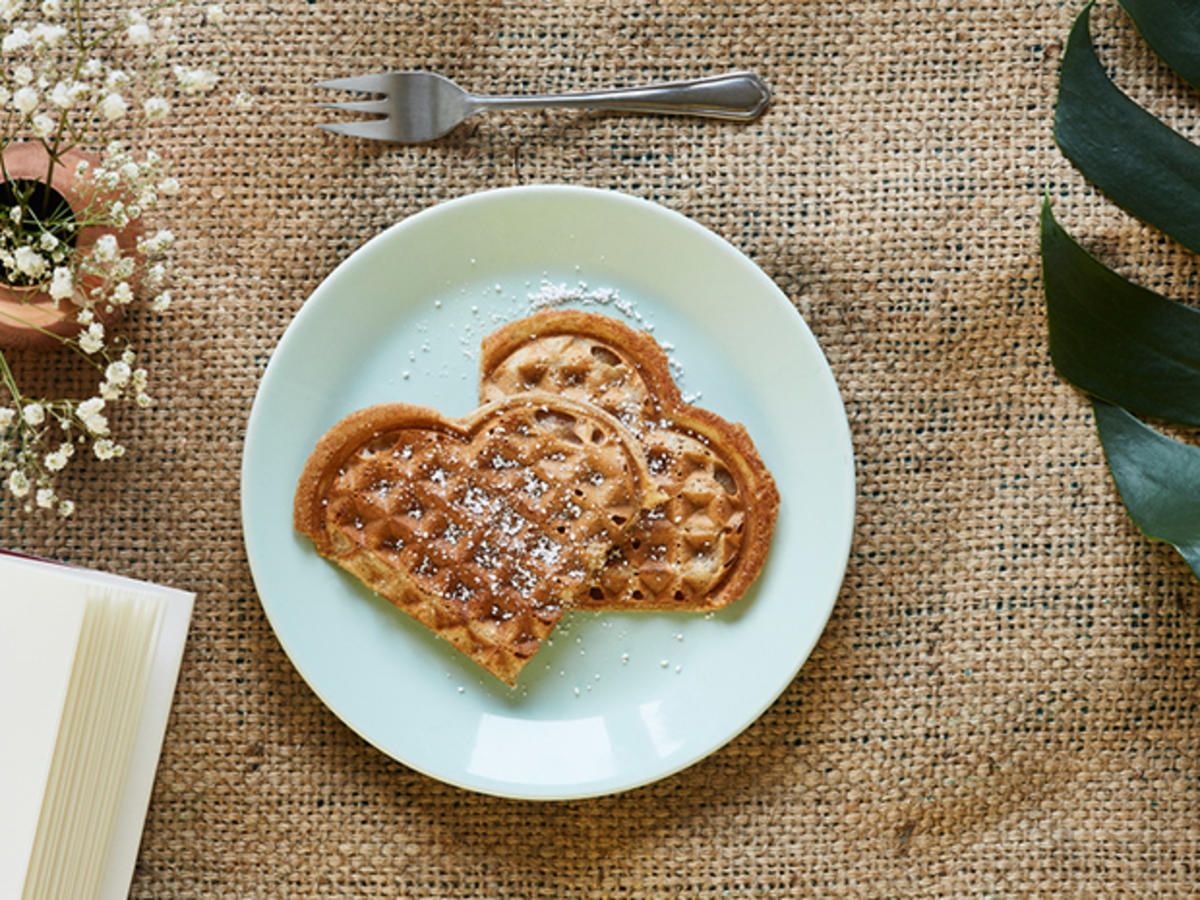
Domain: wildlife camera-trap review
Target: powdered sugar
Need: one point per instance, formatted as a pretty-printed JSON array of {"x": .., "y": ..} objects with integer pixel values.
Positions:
[{"x": 466, "y": 315}]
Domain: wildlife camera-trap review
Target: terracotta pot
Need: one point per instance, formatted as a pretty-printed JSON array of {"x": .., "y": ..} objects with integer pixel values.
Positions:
[{"x": 25, "y": 310}]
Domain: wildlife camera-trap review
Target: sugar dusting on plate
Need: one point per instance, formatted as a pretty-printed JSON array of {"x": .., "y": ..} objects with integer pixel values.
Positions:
[{"x": 472, "y": 328}]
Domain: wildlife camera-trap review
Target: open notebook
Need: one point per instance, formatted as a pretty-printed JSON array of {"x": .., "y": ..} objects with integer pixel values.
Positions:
[{"x": 88, "y": 664}]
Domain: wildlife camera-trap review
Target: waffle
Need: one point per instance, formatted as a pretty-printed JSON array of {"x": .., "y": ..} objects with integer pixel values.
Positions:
[
  {"x": 482, "y": 528},
  {"x": 706, "y": 543}
]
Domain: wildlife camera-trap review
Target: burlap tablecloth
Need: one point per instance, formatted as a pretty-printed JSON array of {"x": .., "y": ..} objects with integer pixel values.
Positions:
[{"x": 1005, "y": 701}]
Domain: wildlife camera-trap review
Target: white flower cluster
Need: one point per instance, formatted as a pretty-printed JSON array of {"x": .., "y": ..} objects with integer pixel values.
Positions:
[
  {"x": 69, "y": 81},
  {"x": 120, "y": 379},
  {"x": 29, "y": 473},
  {"x": 50, "y": 88}
]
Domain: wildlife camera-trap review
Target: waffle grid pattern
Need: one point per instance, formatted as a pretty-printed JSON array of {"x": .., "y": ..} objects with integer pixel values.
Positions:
[
  {"x": 680, "y": 553},
  {"x": 484, "y": 530}
]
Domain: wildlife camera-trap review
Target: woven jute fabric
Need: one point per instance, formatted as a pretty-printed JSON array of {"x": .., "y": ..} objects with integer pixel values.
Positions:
[{"x": 1006, "y": 700}]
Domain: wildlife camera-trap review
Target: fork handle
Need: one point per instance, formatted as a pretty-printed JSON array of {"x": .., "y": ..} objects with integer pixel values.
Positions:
[{"x": 737, "y": 95}]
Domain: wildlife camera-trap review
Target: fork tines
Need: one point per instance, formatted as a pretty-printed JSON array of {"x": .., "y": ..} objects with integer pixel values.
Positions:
[{"x": 371, "y": 129}]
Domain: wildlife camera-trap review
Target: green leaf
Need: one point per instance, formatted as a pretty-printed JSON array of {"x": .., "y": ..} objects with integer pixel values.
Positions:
[
  {"x": 1172, "y": 28},
  {"x": 1138, "y": 161},
  {"x": 1115, "y": 339},
  {"x": 1158, "y": 479}
]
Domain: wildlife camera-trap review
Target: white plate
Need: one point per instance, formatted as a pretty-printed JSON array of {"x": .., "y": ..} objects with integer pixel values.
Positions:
[{"x": 617, "y": 700}]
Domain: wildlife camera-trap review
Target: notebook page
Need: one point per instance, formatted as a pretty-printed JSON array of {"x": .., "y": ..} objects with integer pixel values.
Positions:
[
  {"x": 152, "y": 722},
  {"x": 93, "y": 749},
  {"x": 40, "y": 623},
  {"x": 139, "y": 639}
]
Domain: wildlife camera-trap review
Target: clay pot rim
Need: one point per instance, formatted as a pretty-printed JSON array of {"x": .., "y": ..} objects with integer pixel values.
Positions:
[{"x": 29, "y": 160}]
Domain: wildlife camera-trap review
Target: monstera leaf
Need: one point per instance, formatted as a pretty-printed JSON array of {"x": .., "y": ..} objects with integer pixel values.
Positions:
[{"x": 1133, "y": 350}]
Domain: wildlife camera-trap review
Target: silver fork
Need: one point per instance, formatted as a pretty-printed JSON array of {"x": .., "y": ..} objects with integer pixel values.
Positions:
[{"x": 422, "y": 106}]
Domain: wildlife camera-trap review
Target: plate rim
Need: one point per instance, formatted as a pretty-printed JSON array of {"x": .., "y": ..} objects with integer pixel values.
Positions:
[{"x": 824, "y": 610}]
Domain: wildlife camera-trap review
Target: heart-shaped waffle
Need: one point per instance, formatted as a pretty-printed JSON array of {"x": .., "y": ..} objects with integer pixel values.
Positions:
[
  {"x": 482, "y": 528},
  {"x": 702, "y": 547}
]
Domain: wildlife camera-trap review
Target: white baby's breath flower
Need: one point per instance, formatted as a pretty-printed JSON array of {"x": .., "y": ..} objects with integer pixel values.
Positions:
[
  {"x": 106, "y": 449},
  {"x": 155, "y": 107},
  {"x": 16, "y": 214},
  {"x": 128, "y": 357},
  {"x": 18, "y": 483},
  {"x": 169, "y": 186},
  {"x": 143, "y": 400},
  {"x": 113, "y": 106},
  {"x": 116, "y": 79},
  {"x": 92, "y": 340},
  {"x": 6, "y": 416},
  {"x": 81, "y": 168},
  {"x": 42, "y": 125},
  {"x": 62, "y": 286},
  {"x": 215, "y": 14},
  {"x": 123, "y": 268},
  {"x": 47, "y": 241},
  {"x": 85, "y": 317},
  {"x": 56, "y": 461},
  {"x": 92, "y": 68},
  {"x": 138, "y": 34},
  {"x": 106, "y": 248},
  {"x": 66, "y": 508},
  {"x": 9, "y": 9},
  {"x": 30, "y": 262},
  {"x": 118, "y": 372},
  {"x": 44, "y": 35},
  {"x": 138, "y": 379},
  {"x": 23, "y": 75},
  {"x": 33, "y": 413},
  {"x": 195, "y": 81},
  {"x": 146, "y": 197},
  {"x": 45, "y": 498},
  {"x": 161, "y": 303},
  {"x": 17, "y": 39},
  {"x": 158, "y": 242},
  {"x": 130, "y": 170},
  {"x": 51, "y": 8},
  {"x": 89, "y": 412},
  {"x": 155, "y": 274},
  {"x": 25, "y": 100},
  {"x": 110, "y": 391},
  {"x": 122, "y": 294},
  {"x": 61, "y": 95}
]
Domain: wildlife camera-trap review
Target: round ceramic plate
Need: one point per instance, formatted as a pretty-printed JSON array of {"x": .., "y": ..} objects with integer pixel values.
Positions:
[{"x": 614, "y": 700}]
